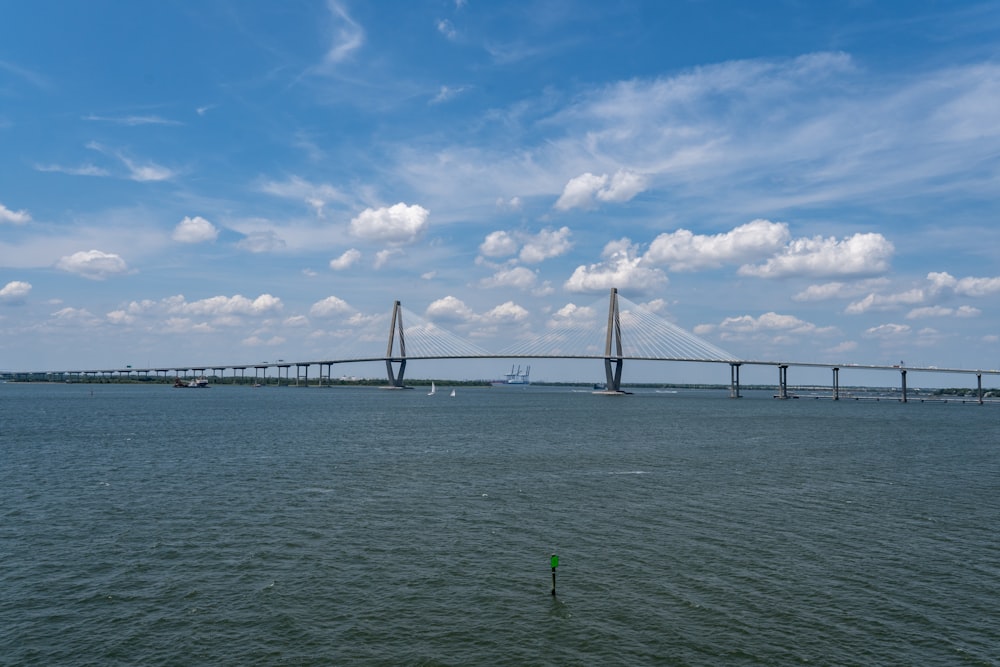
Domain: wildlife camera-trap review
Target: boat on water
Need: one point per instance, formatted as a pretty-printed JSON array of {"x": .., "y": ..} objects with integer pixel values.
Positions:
[
  {"x": 196, "y": 383},
  {"x": 433, "y": 390},
  {"x": 452, "y": 392},
  {"x": 514, "y": 377}
]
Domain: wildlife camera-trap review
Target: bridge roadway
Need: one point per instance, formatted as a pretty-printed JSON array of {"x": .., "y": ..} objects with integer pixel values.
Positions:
[{"x": 396, "y": 379}]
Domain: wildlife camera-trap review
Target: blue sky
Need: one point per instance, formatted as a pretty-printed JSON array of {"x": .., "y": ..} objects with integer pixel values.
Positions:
[{"x": 232, "y": 182}]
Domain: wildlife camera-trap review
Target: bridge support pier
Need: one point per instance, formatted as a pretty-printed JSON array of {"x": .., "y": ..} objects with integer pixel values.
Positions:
[
  {"x": 613, "y": 349},
  {"x": 902, "y": 375},
  {"x": 613, "y": 384},
  {"x": 979, "y": 387},
  {"x": 783, "y": 381},
  {"x": 395, "y": 379},
  {"x": 836, "y": 384},
  {"x": 734, "y": 381},
  {"x": 396, "y": 327}
]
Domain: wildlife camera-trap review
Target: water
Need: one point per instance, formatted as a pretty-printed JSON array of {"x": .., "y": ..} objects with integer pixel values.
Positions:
[{"x": 233, "y": 526}]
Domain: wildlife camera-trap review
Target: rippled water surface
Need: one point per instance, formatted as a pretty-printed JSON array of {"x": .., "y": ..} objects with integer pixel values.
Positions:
[{"x": 146, "y": 525}]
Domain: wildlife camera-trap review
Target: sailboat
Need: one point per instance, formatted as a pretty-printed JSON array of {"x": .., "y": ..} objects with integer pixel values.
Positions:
[
  {"x": 453, "y": 392},
  {"x": 433, "y": 390}
]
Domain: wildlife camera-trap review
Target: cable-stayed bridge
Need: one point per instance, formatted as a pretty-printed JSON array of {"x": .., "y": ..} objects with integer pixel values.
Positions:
[
  {"x": 624, "y": 331},
  {"x": 583, "y": 333}
]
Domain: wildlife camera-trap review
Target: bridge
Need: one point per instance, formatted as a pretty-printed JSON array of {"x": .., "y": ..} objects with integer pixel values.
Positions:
[{"x": 648, "y": 337}]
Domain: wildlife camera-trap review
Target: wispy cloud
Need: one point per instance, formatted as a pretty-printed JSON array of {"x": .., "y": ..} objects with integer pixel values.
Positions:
[
  {"x": 132, "y": 120},
  {"x": 316, "y": 195},
  {"x": 346, "y": 38},
  {"x": 446, "y": 93},
  {"x": 25, "y": 74},
  {"x": 138, "y": 171},
  {"x": 82, "y": 170}
]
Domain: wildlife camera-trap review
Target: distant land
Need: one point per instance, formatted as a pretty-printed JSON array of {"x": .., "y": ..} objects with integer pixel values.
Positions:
[{"x": 795, "y": 391}]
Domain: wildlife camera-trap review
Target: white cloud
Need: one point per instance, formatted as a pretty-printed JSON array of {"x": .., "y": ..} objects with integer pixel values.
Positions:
[
  {"x": 329, "y": 307},
  {"x": 965, "y": 286},
  {"x": 223, "y": 306},
  {"x": 583, "y": 190},
  {"x": 943, "y": 311},
  {"x": 837, "y": 290},
  {"x": 257, "y": 341},
  {"x": 498, "y": 244},
  {"x": 14, "y": 292},
  {"x": 13, "y": 217},
  {"x": 518, "y": 277},
  {"x": 654, "y": 305},
  {"x": 93, "y": 264},
  {"x": 573, "y": 316},
  {"x": 75, "y": 317},
  {"x": 579, "y": 191},
  {"x": 769, "y": 323},
  {"x": 683, "y": 250},
  {"x": 534, "y": 248},
  {"x": 262, "y": 241},
  {"x": 624, "y": 185},
  {"x": 399, "y": 224},
  {"x": 886, "y": 301},
  {"x": 858, "y": 255},
  {"x": 888, "y": 331},
  {"x": 175, "y": 314},
  {"x": 506, "y": 312},
  {"x": 195, "y": 230},
  {"x": 346, "y": 260},
  {"x": 621, "y": 267},
  {"x": 545, "y": 244},
  {"x": 450, "y": 308},
  {"x": 120, "y": 318},
  {"x": 382, "y": 257}
]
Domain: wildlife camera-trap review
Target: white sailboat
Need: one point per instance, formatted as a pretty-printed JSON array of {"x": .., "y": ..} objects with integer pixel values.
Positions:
[
  {"x": 433, "y": 390},
  {"x": 452, "y": 392}
]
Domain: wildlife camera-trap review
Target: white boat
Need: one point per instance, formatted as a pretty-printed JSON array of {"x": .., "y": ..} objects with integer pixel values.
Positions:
[
  {"x": 452, "y": 392},
  {"x": 433, "y": 390},
  {"x": 197, "y": 383}
]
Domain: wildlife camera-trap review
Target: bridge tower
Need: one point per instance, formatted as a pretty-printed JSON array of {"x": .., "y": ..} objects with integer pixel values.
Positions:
[
  {"x": 396, "y": 326},
  {"x": 613, "y": 348}
]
